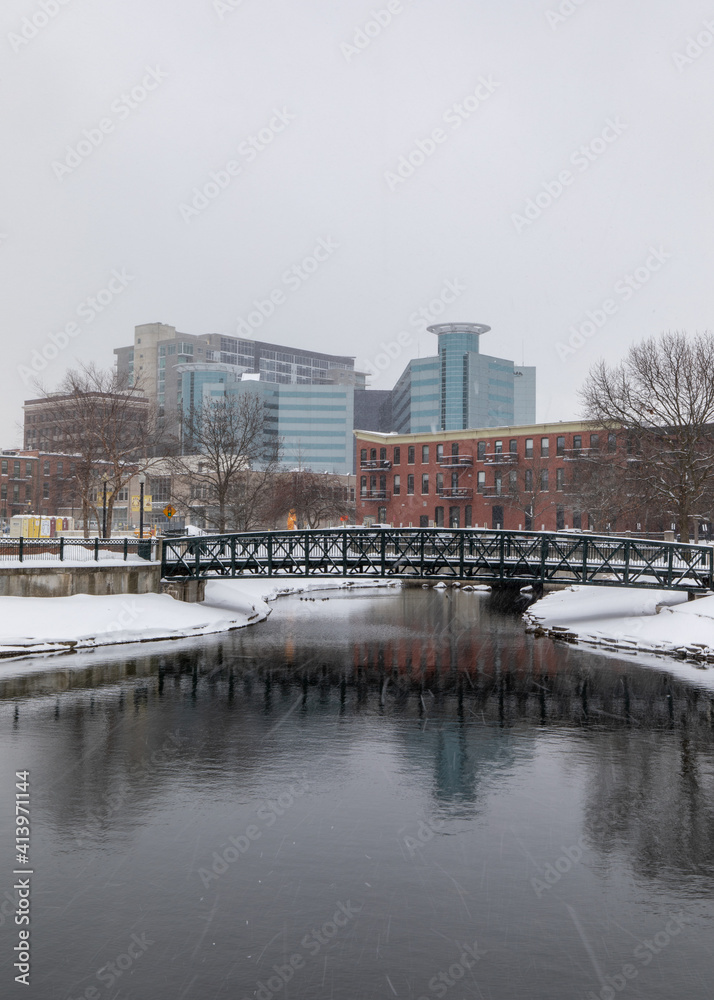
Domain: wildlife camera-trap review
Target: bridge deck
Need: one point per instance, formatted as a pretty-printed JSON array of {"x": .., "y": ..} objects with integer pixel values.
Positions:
[{"x": 494, "y": 557}]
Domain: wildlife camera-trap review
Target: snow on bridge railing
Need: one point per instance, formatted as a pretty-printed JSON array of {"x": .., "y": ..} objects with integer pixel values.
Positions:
[
  {"x": 41, "y": 551},
  {"x": 499, "y": 555}
]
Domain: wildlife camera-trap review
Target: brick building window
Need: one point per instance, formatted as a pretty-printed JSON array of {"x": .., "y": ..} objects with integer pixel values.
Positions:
[
  {"x": 480, "y": 450},
  {"x": 410, "y": 455},
  {"x": 45, "y": 491},
  {"x": 397, "y": 486},
  {"x": 544, "y": 480},
  {"x": 480, "y": 481},
  {"x": 560, "y": 445},
  {"x": 529, "y": 447},
  {"x": 397, "y": 458},
  {"x": 528, "y": 480},
  {"x": 410, "y": 485},
  {"x": 439, "y": 517},
  {"x": 544, "y": 447},
  {"x": 439, "y": 452},
  {"x": 425, "y": 454},
  {"x": 594, "y": 440},
  {"x": 611, "y": 441},
  {"x": 559, "y": 479},
  {"x": 46, "y": 468},
  {"x": 4, "y": 466},
  {"x": 425, "y": 484},
  {"x": 363, "y": 455},
  {"x": 513, "y": 446}
]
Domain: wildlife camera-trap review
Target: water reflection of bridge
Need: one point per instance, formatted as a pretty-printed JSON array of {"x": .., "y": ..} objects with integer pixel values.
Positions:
[{"x": 463, "y": 714}]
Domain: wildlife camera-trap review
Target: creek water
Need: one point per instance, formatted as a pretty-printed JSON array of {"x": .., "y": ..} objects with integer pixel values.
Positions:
[{"x": 379, "y": 793}]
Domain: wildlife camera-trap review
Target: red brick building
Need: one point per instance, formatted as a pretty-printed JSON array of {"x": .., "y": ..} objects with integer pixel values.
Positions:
[
  {"x": 503, "y": 477},
  {"x": 34, "y": 482}
]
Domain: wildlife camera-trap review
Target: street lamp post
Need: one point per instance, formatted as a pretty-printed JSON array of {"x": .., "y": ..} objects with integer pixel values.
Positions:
[
  {"x": 104, "y": 505},
  {"x": 142, "y": 483}
]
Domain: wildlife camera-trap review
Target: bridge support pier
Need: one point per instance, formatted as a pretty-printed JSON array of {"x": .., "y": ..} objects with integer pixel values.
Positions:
[{"x": 191, "y": 591}]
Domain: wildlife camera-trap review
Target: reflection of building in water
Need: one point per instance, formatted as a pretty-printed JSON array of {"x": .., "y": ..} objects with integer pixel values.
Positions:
[{"x": 459, "y": 763}]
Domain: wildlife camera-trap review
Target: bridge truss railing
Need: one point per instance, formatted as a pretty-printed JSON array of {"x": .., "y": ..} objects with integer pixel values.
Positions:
[{"x": 521, "y": 557}]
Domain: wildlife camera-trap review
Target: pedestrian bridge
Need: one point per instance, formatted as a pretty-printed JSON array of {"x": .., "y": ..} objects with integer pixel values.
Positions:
[{"x": 498, "y": 558}]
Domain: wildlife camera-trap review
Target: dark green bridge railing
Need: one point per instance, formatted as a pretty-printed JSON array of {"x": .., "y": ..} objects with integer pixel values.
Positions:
[{"x": 492, "y": 557}]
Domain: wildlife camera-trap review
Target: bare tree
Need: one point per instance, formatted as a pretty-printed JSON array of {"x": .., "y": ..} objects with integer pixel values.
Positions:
[
  {"x": 228, "y": 458},
  {"x": 529, "y": 489},
  {"x": 314, "y": 496},
  {"x": 662, "y": 396},
  {"x": 102, "y": 419}
]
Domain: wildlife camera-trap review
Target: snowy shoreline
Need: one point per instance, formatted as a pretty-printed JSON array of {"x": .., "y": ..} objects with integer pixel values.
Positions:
[
  {"x": 628, "y": 620},
  {"x": 31, "y": 626}
]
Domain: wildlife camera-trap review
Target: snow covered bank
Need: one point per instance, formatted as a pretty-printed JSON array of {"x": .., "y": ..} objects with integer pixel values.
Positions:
[
  {"x": 653, "y": 621},
  {"x": 64, "y": 624}
]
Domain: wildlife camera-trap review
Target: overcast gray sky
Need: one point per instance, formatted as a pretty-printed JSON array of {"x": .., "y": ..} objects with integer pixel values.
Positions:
[{"x": 532, "y": 154}]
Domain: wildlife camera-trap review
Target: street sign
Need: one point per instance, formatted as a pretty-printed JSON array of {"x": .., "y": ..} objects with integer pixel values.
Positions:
[{"x": 169, "y": 511}]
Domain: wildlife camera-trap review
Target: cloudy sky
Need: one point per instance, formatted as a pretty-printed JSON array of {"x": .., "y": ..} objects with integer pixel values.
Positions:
[{"x": 541, "y": 166}]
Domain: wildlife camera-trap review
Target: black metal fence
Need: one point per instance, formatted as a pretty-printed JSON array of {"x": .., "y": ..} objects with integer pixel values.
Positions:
[{"x": 29, "y": 550}]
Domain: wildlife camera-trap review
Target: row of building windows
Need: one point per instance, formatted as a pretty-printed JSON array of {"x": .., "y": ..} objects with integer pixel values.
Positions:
[
  {"x": 379, "y": 483},
  {"x": 29, "y": 468},
  {"x": 498, "y": 449}
]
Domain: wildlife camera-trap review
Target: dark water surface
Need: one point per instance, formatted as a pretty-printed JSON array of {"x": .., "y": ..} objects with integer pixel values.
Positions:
[{"x": 382, "y": 794}]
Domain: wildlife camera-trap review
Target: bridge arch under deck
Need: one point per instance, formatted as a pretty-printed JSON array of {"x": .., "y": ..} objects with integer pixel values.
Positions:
[{"x": 498, "y": 558}]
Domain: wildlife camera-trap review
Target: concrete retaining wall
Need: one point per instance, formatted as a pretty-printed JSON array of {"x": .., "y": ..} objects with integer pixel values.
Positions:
[{"x": 46, "y": 581}]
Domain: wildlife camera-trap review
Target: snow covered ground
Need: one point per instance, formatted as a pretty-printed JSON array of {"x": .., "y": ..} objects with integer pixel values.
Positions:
[
  {"x": 64, "y": 624},
  {"x": 637, "y": 620}
]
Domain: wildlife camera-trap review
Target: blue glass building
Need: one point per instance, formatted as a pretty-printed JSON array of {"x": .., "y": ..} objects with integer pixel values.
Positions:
[
  {"x": 460, "y": 388},
  {"x": 313, "y": 422}
]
